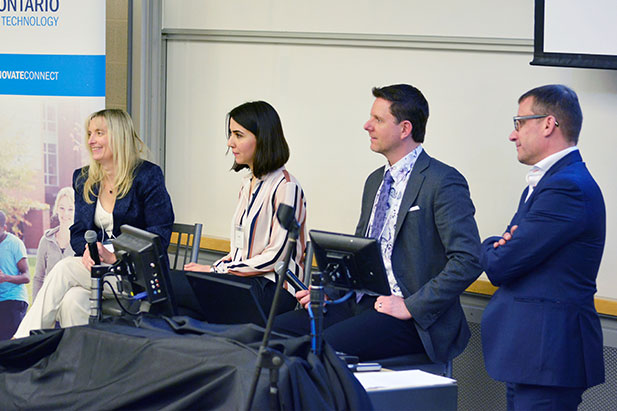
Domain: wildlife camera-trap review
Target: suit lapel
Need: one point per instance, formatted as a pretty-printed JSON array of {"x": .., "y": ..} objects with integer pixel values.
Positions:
[
  {"x": 521, "y": 210},
  {"x": 90, "y": 209},
  {"x": 372, "y": 191},
  {"x": 121, "y": 206},
  {"x": 416, "y": 179},
  {"x": 523, "y": 206},
  {"x": 570, "y": 158},
  {"x": 372, "y": 187}
]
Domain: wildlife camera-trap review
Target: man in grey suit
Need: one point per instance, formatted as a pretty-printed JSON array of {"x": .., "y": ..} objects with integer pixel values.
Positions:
[{"x": 420, "y": 211}]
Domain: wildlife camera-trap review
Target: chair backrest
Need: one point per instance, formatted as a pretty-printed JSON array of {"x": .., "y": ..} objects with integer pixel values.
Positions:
[{"x": 186, "y": 245}]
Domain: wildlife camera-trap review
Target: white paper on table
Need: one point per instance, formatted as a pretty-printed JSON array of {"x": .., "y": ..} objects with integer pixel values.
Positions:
[{"x": 401, "y": 379}]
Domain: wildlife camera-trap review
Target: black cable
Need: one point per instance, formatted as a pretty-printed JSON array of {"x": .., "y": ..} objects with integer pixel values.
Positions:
[{"x": 118, "y": 300}]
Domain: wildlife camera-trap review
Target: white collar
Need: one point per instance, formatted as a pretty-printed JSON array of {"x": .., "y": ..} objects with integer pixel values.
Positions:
[{"x": 546, "y": 163}]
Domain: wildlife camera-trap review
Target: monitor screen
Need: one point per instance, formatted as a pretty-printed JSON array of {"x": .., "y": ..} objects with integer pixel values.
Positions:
[
  {"x": 225, "y": 298},
  {"x": 145, "y": 267},
  {"x": 350, "y": 262},
  {"x": 574, "y": 33}
]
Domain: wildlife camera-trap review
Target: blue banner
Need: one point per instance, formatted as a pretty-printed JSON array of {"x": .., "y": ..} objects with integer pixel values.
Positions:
[{"x": 52, "y": 75}]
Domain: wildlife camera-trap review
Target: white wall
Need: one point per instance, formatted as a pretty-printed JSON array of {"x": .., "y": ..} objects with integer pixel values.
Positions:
[
  {"x": 323, "y": 95},
  {"x": 483, "y": 18}
]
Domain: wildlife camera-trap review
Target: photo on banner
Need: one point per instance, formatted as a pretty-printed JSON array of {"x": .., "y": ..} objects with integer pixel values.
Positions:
[{"x": 52, "y": 76}]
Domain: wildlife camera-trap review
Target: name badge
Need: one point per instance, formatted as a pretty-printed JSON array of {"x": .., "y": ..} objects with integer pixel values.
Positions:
[
  {"x": 239, "y": 237},
  {"x": 108, "y": 245}
]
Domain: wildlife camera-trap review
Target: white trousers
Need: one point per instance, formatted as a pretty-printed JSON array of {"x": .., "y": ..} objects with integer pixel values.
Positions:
[{"x": 64, "y": 297}]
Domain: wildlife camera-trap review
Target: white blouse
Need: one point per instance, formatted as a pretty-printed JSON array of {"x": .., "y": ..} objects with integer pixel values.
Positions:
[
  {"x": 257, "y": 239},
  {"x": 104, "y": 220}
]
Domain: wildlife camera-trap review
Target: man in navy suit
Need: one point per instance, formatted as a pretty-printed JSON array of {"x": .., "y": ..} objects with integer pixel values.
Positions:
[
  {"x": 421, "y": 212},
  {"x": 540, "y": 332}
]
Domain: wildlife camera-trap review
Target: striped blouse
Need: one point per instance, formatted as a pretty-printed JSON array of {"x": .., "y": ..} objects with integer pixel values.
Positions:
[{"x": 257, "y": 239}]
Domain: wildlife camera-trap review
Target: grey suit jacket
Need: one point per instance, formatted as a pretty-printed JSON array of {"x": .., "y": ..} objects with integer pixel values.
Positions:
[{"x": 436, "y": 251}]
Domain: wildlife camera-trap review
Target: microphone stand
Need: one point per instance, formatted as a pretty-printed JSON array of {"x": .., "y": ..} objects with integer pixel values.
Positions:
[
  {"x": 268, "y": 357},
  {"x": 317, "y": 311},
  {"x": 97, "y": 272}
]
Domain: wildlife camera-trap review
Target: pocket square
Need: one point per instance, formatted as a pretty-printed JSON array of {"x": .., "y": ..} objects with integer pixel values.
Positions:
[{"x": 414, "y": 208}]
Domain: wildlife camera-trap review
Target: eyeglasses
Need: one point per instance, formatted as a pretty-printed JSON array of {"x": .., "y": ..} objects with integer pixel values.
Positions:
[{"x": 519, "y": 120}]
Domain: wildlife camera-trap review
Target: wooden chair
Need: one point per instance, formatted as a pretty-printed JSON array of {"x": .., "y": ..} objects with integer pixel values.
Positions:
[{"x": 184, "y": 245}]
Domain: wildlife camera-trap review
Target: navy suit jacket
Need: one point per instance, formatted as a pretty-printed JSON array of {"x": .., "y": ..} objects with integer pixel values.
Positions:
[
  {"x": 436, "y": 251},
  {"x": 147, "y": 206},
  {"x": 541, "y": 326}
]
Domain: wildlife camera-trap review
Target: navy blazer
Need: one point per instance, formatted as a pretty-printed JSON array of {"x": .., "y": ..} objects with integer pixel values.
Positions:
[
  {"x": 541, "y": 326},
  {"x": 436, "y": 251},
  {"x": 147, "y": 206}
]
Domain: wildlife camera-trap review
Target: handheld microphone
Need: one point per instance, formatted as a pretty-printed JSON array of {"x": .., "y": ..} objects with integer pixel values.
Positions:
[
  {"x": 290, "y": 277},
  {"x": 91, "y": 238}
]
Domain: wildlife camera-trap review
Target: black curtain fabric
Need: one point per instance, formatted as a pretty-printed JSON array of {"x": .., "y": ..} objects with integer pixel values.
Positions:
[{"x": 168, "y": 364}]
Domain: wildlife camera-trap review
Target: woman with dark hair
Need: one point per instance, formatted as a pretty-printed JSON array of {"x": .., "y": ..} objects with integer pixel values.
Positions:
[
  {"x": 255, "y": 137},
  {"x": 118, "y": 187}
]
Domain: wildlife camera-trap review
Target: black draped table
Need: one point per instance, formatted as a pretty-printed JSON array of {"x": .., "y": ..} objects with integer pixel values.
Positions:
[{"x": 158, "y": 363}]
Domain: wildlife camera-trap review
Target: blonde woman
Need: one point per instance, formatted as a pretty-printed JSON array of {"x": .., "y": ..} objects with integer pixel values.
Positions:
[
  {"x": 118, "y": 187},
  {"x": 55, "y": 242}
]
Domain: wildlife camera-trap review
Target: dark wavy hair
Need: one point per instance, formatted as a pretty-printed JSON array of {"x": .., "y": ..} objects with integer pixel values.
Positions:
[
  {"x": 261, "y": 119},
  {"x": 407, "y": 103}
]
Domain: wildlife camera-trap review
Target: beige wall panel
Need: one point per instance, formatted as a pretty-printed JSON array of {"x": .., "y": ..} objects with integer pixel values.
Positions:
[{"x": 323, "y": 96}]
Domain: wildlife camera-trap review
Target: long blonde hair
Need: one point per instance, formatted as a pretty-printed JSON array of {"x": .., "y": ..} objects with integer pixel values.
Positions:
[
  {"x": 64, "y": 192},
  {"x": 127, "y": 149}
]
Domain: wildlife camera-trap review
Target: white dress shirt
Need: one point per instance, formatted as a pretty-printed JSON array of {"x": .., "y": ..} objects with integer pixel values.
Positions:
[{"x": 541, "y": 167}]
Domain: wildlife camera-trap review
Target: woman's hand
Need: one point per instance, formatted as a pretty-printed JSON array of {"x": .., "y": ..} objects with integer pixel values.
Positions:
[
  {"x": 86, "y": 260},
  {"x": 198, "y": 267},
  {"x": 304, "y": 298},
  {"x": 105, "y": 256}
]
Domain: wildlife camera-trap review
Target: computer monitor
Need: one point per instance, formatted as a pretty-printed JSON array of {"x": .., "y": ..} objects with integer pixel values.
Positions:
[
  {"x": 350, "y": 262},
  {"x": 224, "y": 298},
  {"x": 144, "y": 266}
]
